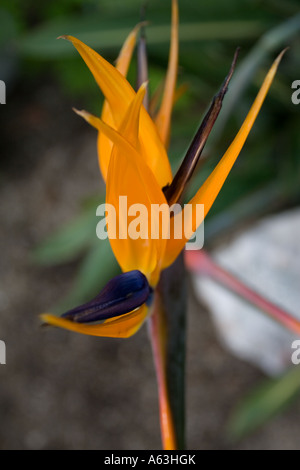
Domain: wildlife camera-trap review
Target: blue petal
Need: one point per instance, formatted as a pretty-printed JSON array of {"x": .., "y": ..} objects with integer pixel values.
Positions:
[{"x": 121, "y": 295}]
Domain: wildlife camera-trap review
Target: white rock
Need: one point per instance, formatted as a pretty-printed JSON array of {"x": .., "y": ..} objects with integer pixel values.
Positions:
[{"x": 266, "y": 258}]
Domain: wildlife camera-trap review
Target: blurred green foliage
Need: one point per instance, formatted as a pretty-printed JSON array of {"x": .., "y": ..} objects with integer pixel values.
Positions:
[
  {"x": 264, "y": 403},
  {"x": 267, "y": 176}
]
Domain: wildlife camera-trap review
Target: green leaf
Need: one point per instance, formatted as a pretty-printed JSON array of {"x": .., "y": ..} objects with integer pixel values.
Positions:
[
  {"x": 41, "y": 43},
  {"x": 272, "y": 40},
  {"x": 69, "y": 241},
  {"x": 105, "y": 34},
  {"x": 96, "y": 269},
  {"x": 8, "y": 26},
  {"x": 264, "y": 403}
]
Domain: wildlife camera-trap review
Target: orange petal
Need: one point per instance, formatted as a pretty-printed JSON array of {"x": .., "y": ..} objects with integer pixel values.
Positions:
[
  {"x": 130, "y": 176},
  {"x": 119, "y": 95},
  {"x": 104, "y": 145},
  {"x": 114, "y": 136},
  {"x": 122, "y": 65},
  {"x": 163, "y": 118},
  {"x": 133, "y": 179},
  {"x": 124, "y": 58},
  {"x": 131, "y": 122},
  {"x": 118, "y": 327},
  {"x": 210, "y": 189},
  {"x": 114, "y": 86},
  {"x": 127, "y": 136},
  {"x": 130, "y": 127}
]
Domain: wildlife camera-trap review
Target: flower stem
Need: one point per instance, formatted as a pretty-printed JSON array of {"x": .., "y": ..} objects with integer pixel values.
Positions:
[
  {"x": 158, "y": 348},
  {"x": 167, "y": 330}
]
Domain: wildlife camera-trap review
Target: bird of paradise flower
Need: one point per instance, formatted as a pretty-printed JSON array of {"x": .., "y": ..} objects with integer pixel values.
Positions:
[{"x": 132, "y": 150}]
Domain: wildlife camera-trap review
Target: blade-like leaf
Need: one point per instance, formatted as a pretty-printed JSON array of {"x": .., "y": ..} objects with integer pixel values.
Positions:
[
  {"x": 264, "y": 403},
  {"x": 273, "y": 39},
  {"x": 107, "y": 35},
  {"x": 97, "y": 268},
  {"x": 69, "y": 241}
]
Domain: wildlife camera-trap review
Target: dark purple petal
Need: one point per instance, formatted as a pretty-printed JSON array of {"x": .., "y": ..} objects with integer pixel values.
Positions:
[{"x": 121, "y": 295}]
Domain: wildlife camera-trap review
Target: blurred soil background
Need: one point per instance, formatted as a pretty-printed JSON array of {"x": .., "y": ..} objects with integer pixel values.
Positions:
[{"x": 61, "y": 390}]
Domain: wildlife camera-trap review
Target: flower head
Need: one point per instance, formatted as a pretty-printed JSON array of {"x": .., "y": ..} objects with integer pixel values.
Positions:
[{"x": 132, "y": 149}]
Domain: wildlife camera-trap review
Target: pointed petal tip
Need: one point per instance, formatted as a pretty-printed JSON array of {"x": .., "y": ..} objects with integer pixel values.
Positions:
[
  {"x": 64, "y": 36},
  {"x": 80, "y": 112},
  {"x": 281, "y": 54},
  {"x": 45, "y": 319},
  {"x": 84, "y": 114},
  {"x": 143, "y": 87},
  {"x": 119, "y": 327},
  {"x": 174, "y": 191},
  {"x": 163, "y": 117},
  {"x": 142, "y": 24},
  {"x": 209, "y": 190}
]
